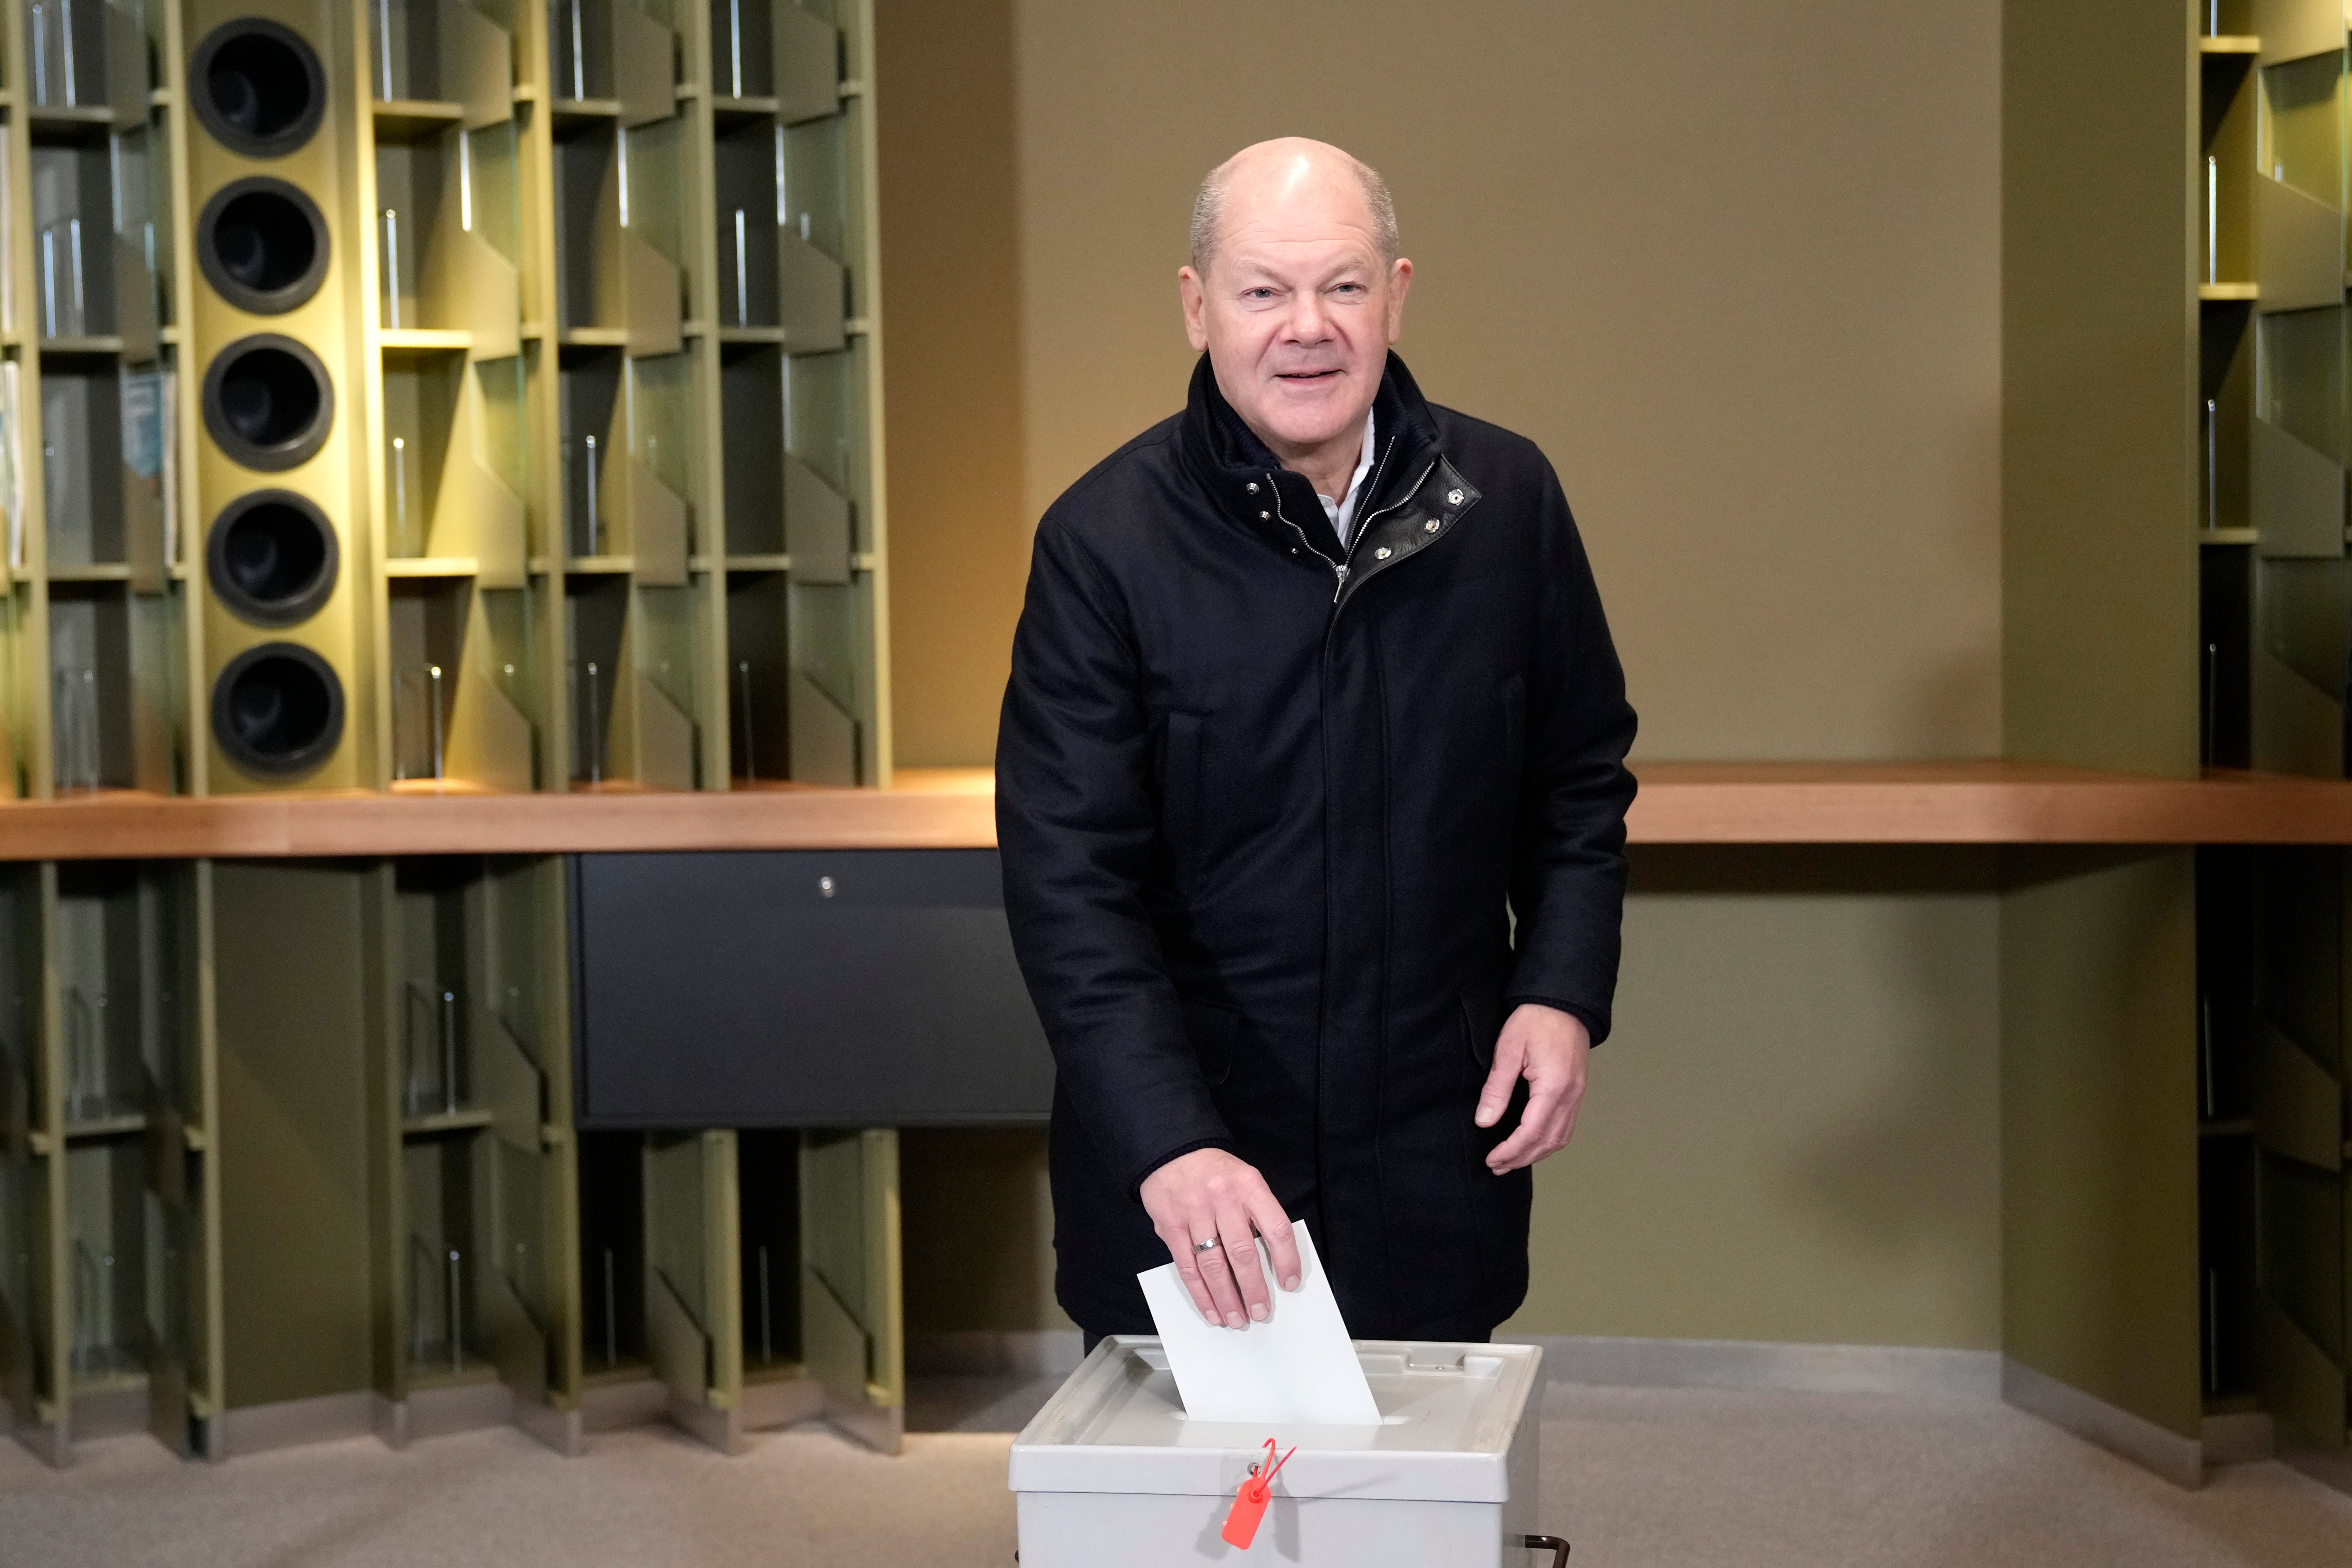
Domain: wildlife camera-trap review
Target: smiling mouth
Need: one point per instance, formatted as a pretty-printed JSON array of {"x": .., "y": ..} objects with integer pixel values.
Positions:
[{"x": 1304, "y": 375}]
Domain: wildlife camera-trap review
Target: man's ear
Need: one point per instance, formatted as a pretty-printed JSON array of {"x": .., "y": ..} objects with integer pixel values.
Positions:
[
  {"x": 1400, "y": 281},
  {"x": 1195, "y": 299}
]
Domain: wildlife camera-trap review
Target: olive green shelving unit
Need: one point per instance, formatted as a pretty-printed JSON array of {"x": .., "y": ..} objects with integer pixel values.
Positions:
[
  {"x": 286, "y": 1148},
  {"x": 2274, "y": 434}
]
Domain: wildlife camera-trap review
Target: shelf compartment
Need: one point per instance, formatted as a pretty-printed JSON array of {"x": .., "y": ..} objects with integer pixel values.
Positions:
[
  {"x": 2228, "y": 1301},
  {"x": 620, "y": 418},
  {"x": 769, "y": 1248},
  {"x": 596, "y": 616},
  {"x": 751, "y": 426},
  {"x": 459, "y": 664},
  {"x": 465, "y": 1234},
  {"x": 446, "y": 1183},
  {"x": 125, "y": 995},
  {"x": 441, "y": 498},
  {"x": 437, "y": 1020},
  {"x": 2226, "y": 389},
  {"x": 82, "y": 462},
  {"x": 667, "y": 754},
  {"x": 747, "y": 175},
  {"x": 611, "y": 1184},
  {"x": 612, "y": 277},
  {"x": 437, "y": 270},
  {"x": 82, "y": 64},
  {"x": 2229, "y": 116},
  {"x": 759, "y": 676},
  {"x": 89, "y": 282},
  {"x": 110, "y": 658},
  {"x": 114, "y": 1244},
  {"x": 742, "y": 51},
  {"x": 2226, "y": 593},
  {"x": 437, "y": 61}
]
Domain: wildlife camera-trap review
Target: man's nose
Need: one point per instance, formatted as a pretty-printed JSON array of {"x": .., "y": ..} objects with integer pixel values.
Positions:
[{"x": 1309, "y": 322}]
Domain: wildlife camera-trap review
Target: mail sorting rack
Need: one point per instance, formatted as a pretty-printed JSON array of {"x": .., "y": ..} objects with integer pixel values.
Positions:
[
  {"x": 2274, "y": 434},
  {"x": 560, "y": 326},
  {"x": 361, "y": 367},
  {"x": 89, "y": 617},
  {"x": 753, "y": 1274},
  {"x": 108, "y": 1191},
  {"x": 287, "y": 1151}
]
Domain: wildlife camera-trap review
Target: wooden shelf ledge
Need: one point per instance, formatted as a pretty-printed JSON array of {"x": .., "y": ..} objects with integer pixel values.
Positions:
[
  {"x": 1977, "y": 803},
  {"x": 1983, "y": 802}
]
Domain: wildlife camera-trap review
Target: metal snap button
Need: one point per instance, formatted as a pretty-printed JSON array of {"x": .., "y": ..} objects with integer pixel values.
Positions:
[
  {"x": 1430, "y": 527},
  {"x": 1382, "y": 554},
  {"x": 1264, "y": 515},
  {"x": 1252, "y": 487},
  {"x": 1454, "y": 497},
  {"x": 824, "y": 886}
]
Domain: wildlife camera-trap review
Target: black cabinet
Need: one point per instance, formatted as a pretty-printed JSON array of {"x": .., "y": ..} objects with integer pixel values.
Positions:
[{"x": 802, "y": 988}]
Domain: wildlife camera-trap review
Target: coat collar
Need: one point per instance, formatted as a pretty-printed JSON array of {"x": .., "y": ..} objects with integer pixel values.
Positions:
[{"x": 1226, "y": 458}]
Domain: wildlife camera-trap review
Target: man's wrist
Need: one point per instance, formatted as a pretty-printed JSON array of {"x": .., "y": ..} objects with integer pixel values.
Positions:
[{"x": 1595, "y": 1022}]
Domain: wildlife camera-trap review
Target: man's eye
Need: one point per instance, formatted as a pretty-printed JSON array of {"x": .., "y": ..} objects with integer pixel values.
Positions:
[{"x": 1257, "y": 293}]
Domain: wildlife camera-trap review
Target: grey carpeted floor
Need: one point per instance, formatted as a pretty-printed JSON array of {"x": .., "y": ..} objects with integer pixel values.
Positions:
[{"x": 1654, "y": 1477}]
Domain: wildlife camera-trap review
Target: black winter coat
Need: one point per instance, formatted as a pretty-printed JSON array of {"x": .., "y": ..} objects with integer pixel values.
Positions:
[{"x": 1261, "y": 807}]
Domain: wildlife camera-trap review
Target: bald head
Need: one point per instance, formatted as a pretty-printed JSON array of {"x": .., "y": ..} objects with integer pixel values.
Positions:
[
  {"x": 1295, "y": 292},
  {"x": 1287, "y": 168}
]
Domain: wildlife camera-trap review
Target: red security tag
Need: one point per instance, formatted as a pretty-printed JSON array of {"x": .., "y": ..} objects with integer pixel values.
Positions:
[{"x": 1249, "y": 1503}]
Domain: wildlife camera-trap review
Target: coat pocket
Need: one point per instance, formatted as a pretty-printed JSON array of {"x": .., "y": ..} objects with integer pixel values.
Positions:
[
  {"x": 1482, "y": 1023},
  {"x": 1215, "y": 1030}
]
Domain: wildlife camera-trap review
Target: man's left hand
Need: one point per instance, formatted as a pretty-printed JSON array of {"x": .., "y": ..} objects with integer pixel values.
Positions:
[{"x": 1547, "y": 1048}]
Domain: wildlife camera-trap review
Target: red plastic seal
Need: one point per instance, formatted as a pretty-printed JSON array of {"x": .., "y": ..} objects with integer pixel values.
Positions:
[{"x": 1249, "y": 1503}]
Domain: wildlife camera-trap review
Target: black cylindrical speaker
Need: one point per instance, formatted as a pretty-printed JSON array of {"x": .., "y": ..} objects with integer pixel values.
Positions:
[
  {"x": 263, "y": 243},
  {"x": 277, "y": 710},
  {"x": 257, "y": 87},
  {"x": 272, "y": 558},
  {"x": 267, "y": 402}
]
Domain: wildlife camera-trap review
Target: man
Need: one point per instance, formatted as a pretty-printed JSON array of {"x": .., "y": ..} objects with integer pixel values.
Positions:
[{"x": 1311, "y": 682}]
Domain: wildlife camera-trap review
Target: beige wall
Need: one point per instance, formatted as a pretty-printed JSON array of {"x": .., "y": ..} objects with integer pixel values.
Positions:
[
  {"x": 959, "y": 535},
  {"x": 1737, "y": 268},
  {"x": 1794, "y": 1133}
]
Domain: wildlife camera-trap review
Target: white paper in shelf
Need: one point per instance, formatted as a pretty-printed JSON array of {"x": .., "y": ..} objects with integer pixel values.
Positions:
[{"x": 1297, "y": 1368}]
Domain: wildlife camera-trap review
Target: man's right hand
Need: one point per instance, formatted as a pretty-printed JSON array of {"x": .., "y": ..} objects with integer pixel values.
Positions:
[{"x": 1210, "y": 1195}]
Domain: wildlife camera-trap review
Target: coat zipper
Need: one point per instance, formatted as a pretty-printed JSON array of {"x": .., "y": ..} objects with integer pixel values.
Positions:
[
  {"x": 1340, "y": 569},
  {"x": 1364, "y": 526}
]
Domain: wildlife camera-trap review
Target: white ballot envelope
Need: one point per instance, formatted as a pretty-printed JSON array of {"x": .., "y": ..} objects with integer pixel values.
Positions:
[{"x": 1297, "y": 1368}]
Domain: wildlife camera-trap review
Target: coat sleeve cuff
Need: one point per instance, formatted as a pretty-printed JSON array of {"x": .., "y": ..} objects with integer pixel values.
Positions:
[
  {"x": 1135, "y": 1188},
  {"x": 1595, "y": 1022}
]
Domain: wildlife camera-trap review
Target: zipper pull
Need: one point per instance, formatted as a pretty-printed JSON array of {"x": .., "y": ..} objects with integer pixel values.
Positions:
[{"x": 1339, "y": 571}]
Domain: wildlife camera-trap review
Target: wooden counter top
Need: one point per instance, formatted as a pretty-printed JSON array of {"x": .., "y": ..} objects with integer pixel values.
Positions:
[
  {"x": 1978, "y": 803},
  {"x": 1680, "y": 802}
]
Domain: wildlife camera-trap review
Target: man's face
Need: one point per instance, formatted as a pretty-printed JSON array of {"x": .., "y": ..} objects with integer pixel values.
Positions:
[{"x": 1298, "y": 310}]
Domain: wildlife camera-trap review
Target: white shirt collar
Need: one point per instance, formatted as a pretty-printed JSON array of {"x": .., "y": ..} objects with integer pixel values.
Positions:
[{"x": 1342, "y": 513}]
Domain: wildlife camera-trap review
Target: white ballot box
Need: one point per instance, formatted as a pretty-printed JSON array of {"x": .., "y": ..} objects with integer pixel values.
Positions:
[{"x": 1112, "y": 1475}]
